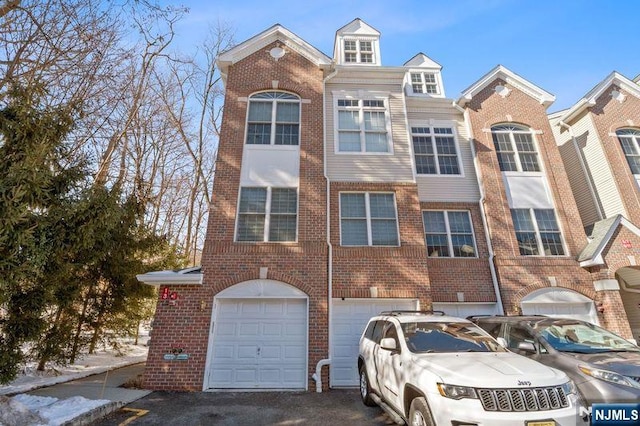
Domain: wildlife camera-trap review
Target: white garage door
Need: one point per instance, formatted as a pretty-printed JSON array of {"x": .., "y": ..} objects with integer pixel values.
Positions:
[
  {"x": 560, "y": 302},
  {"x": 349, "y": 319},
  {"x": 259, "y": 344},
  {"x": 465, "y": 309}
]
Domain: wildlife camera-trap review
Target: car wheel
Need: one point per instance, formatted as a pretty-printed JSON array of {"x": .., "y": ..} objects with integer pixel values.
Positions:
[
  {"x": 365, "y": 388},
  {"x": 419, "y": 413}
]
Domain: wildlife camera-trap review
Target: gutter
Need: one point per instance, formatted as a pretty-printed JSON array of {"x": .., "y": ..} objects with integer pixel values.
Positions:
[
  {"x": 492, "y": 266},
  {"x": 317, "y": 376}
]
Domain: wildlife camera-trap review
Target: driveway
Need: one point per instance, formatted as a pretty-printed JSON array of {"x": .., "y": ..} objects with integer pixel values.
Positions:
[{"x": 337, "y": 407}]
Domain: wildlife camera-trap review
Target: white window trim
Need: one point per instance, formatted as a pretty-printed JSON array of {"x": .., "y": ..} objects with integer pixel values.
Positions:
[
  {"x": 635, "y": 139},
  {"x": 532, "y": 216},
  {"x": 267, "y": 217},
  {"x": 514, "y": 149},
  {"x": 368, "y": 216},
  {"x": 449, "y": 240},
  {"x": 431, "y": 124},
  {"x": 272, "y": 137},
  {"x": 438, "y": 76},
  {"x": 360, "y": 96},
  {"x": 358, "y": 39}
]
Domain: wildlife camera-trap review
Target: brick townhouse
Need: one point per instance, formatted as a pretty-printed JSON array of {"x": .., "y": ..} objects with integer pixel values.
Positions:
[{"x": 344, "y": 188}]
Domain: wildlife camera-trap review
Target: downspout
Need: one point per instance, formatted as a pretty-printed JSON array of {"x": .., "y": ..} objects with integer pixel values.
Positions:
[
  {"x": 317, "y": 376},
  {"x": 583, "y": 166},
  {"x": 492, "y": 266}
]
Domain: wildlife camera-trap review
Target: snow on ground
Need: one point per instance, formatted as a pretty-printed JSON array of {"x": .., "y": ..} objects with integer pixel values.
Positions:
[
  {"x": 99, "y": 362},
  {"x": 56, "y": 411}
]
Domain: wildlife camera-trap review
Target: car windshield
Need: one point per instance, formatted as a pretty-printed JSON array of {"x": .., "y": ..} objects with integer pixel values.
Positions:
[
  {"x": 426, "y": 337},
  {"x": 582, "y": 337}
]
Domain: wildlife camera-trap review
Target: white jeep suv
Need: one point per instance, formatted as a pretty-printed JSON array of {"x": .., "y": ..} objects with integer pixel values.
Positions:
[{"x": 427, "y": 369}]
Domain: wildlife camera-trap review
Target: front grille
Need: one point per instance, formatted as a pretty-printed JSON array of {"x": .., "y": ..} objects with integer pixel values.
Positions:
[{"x": 532, "y": 399}]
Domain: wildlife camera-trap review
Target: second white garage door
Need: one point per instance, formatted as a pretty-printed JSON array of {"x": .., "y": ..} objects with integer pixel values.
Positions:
[
  {"x": 560, "y": 302},
  {"x": 350, "y": 316},
  {"x": 260, "y": 344}
]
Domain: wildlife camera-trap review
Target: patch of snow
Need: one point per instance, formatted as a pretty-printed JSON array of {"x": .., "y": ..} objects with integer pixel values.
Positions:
[
  {"x": 97, "y": 363},
  {"x": 56, "y": 411}
]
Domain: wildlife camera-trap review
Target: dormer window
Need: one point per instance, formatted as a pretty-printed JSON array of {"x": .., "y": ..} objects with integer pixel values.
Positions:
[
  {"x": 425, "y": 82},
  {"x": 358, "y": 51}
]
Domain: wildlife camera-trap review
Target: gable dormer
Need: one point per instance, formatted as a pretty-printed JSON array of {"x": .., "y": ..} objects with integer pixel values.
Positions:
[
  {"x": 357, "y": 43},
  {"x": 424, "y": 77}
]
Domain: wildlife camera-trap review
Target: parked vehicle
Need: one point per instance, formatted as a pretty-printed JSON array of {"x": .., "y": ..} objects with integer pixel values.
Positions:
[
  {"x": 427, "y": 369},
  {"x": 604, "y": 366}
]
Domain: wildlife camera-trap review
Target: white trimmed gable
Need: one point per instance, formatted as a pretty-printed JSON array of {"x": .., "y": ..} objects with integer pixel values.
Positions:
[
  {"x": 591, "y": 98},
  {"x": 545, "y": 98},
  {"x": 289, "y": 41},
  {"x": 423, "y": 77},
  {"x": 362, "y": 47}
]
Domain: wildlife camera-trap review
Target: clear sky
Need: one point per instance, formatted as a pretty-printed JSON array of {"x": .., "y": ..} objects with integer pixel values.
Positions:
[{"x": 564, "y": 46}]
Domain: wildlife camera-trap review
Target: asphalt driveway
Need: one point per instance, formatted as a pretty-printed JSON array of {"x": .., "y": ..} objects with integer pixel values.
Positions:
[{"x": 337, "y": 407}]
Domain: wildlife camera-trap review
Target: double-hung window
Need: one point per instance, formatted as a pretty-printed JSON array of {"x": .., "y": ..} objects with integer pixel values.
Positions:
[
  {"x": 368, "y": 219},
  {"x": 435, "y": 151},
  {"x": 537, "y": 232},
  {"x": 425, "y": 82},
  {"x": 515, "y": 148},
  {"x": 449, "y": 234},
  {"x": 362, "y": 125},
  {"x": 358, "y": 51},
  {"x": 630, "y": 141},
  {"x": 267, "y": 214},
  {"x": 273, "y": 119}
]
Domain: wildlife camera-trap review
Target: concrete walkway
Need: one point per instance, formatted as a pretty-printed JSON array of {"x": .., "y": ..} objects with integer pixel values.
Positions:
[{"x": 100, "y": 386}]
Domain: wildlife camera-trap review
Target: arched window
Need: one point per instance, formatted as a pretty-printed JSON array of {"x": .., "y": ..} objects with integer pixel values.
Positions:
[
  {"x": 273, "y": 119},
  {"x": 630, "y": 141},
  {"x": 515, "y": 148}
]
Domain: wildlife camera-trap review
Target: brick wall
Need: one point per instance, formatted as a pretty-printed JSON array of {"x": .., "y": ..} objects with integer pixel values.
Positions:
[
  {"x": 519, "y": 275},
  {"x": 225, "y": 263}
]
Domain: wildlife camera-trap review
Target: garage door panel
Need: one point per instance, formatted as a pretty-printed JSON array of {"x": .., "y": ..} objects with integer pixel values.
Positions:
[
  {"x": 349, "y": 317},
  {"x": 256, "y": 346}
]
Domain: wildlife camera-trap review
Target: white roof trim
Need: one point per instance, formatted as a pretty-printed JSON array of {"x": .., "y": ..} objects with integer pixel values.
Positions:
[
  {"x": 596, "y": 258},
  {"x": 261, "y": 288},
  {"x": 260, "y": 41},
  {"x": 592, "y": 96},
  {"x": 542, "y": 96},
  {"x": 181, "y": 277},
  {"x": 422, "y": 61}
]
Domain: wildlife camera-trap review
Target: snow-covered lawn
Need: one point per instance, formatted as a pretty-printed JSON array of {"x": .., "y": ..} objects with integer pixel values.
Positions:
[
  {"x": 97, "y": 363},
  {"x": 24, "y": 409}
]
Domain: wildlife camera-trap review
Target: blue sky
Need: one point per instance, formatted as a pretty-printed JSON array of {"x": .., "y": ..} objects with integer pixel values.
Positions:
[{"x": 565, "y": 47}]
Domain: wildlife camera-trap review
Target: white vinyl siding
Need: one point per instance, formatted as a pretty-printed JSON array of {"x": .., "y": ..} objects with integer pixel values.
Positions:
[
  {"x": 579, "y": 178},
  {"x": 462, "y": 187},
  {"x": 393, "y": 166},
  {"x": 598, "y": 170}
]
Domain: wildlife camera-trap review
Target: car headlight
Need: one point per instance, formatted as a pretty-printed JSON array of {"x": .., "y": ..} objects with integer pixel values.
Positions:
[
  {"x": 456, "y": 392},
  {"x": 569, "y": 388},
  {"x": 609, "y": 376}
]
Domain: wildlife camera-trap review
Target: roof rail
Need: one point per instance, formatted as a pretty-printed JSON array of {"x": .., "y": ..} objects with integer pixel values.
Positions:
[{"x": 409, "y": 312}]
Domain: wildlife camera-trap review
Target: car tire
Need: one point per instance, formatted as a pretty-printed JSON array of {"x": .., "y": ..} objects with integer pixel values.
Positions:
[
  {"x": 365, "y": 388},
  {"x": 419, "y": 413}
]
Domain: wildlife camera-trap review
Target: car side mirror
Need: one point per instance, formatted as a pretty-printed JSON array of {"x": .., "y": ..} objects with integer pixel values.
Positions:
[
  {"x": 502, "y": 342},
  {"x": 389, "y": 344},
  {"x": 527, "y": 347}
]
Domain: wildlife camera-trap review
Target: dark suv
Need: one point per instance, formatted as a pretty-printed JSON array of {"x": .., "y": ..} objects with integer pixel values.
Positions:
[{"x": 604, "y": 366}]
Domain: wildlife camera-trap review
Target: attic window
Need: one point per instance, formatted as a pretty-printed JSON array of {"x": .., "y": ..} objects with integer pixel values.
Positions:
[
  {"x": 425, "y": 82},
  {"x": 358, "y": 51}
]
